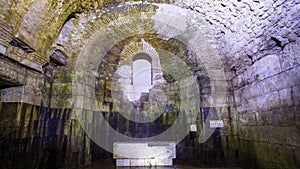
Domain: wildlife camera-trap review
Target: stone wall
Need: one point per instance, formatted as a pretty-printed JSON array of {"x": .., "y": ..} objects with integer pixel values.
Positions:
[
  {"x": 40, "y": 137},
  {"x": 19, "y": 133},
  {"x": 267, "y": 101},
  {"x": 32, "y": 134},
  {"x": 258, "y": 42}
]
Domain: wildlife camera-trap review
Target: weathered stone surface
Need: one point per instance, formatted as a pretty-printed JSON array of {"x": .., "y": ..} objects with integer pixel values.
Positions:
[{"x": 258, "y": 45}]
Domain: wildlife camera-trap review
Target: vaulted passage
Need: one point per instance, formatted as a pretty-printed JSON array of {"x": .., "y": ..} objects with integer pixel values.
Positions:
[{"x": 150, "y": 84}]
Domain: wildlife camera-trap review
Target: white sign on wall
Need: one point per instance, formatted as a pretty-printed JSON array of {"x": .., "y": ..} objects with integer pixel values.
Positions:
[
  {"x": 216, "y": 123},
  {"x": 193, "y": 127}
]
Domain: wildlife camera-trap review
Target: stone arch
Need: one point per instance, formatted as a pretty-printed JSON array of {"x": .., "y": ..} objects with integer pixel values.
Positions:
[
  {"x": 136, "y": 48},
  {"x": 144, "y": 56},
  {"x": 124, "y": 28}
]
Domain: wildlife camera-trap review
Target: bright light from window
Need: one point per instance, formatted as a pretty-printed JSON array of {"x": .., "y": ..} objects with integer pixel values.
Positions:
[
  {"x": 141, "y": 76},
  {"x": 141, "y": 72}
]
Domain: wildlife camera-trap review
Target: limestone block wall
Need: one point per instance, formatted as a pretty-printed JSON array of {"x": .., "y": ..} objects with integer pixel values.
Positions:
[
  {"x": 19, "y": 135},
  {"x": 32, "y": 133},
  {"x": 260, "y": 39},
  {"x": 267, "y": 102},
  {"x": 223, "y": 143},
  {"x": 259, "y": 45},
  {"x": 40, "y": 137}
]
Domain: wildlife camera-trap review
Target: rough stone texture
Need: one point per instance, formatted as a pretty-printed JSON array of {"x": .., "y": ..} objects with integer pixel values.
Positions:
[
  {"x": 17, "y": 53},
  {"x": 265, "y": 81},
  {"x": 260, "y": 39},
  {"x": 257, "y": 41},
  {"x": 30, "y": 83},
  {"x": 41, "y": 138}
]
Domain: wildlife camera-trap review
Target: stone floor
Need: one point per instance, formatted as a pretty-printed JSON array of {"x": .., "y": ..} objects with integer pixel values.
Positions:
[{"x": 111, "y": 165}]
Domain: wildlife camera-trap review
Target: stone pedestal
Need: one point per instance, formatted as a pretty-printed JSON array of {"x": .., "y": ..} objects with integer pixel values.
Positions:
[{"x": 144, "y": 154}]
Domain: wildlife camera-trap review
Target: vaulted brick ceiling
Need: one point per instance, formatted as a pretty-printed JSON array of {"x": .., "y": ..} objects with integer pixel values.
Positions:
[{"x": 242, "y": 28}]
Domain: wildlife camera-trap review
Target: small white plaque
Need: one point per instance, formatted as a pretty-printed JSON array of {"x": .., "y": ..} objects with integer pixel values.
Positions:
[
  {"x": 2, "y": 49},
  {"x": 216, "y": 123},
  {"x": 193, "y": 127}
]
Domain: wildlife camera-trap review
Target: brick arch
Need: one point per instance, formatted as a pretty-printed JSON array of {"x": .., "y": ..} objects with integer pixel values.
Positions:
[
  {"x": 144, "y": 56},
  {"x": 136, "y": 48}
]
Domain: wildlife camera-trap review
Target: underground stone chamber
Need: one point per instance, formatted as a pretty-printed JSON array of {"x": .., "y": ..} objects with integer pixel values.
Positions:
[{"x": 218, "y": 78}]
